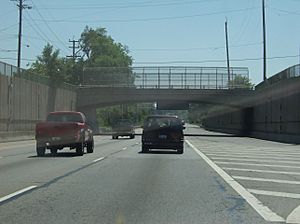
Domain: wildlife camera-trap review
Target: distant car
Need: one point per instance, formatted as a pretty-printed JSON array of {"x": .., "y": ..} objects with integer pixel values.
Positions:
[
  {"x": 123, "y": 127},
  {"x": 163, "y": 132},
  {"x": 64, "y": 129}
]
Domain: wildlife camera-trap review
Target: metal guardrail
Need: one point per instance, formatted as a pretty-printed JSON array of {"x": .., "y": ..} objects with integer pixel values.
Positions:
[
  {"x": 164, "y": 77},
  {"x": 291, "y": 72}
]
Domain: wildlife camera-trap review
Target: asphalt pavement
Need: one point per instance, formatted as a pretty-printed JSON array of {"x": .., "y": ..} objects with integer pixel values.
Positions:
[{"x": 219, "y": 179}]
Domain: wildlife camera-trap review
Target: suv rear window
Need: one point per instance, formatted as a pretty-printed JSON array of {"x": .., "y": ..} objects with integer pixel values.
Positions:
[
  {"x": 64, "y": 118},
  {"x": 162, "y": 122}
]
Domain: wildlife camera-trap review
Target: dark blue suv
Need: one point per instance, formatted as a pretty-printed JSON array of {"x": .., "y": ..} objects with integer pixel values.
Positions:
[{"x": 163, "y": 132}]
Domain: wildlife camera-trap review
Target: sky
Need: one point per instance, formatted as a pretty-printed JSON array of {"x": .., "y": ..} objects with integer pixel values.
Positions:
[{"x": 162, "y": 32}]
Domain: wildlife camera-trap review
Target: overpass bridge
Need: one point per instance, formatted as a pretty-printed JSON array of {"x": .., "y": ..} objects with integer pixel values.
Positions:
[{"x": 170, "y": 86}]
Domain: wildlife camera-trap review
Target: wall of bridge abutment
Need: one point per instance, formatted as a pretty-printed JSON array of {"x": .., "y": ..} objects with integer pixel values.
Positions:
[
  {"x": 273, "y": 114},
  {"x": 91, "y": 116},
  {"x": 23, "y": 103}
]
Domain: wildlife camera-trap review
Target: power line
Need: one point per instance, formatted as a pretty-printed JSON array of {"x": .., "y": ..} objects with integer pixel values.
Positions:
[
  {"x": 41, "y": 33},
  {"x": 7, "y": 50},
  {"x": 195, "y": 49},
  {"x": 217, "y": 60},
  {"x": 286, "y": 11},
  {"x": 8, "y": 27},
  {"x": 134, "y": 5},
  {"x": 38, "y": 38},
  {"x": 37, "y": 30},
  {"x": 22, "y": 59},
  {"x": 190, "y": 62},
  {"x": 150, "y": 19},
  {"x": 51, "y": 30}
]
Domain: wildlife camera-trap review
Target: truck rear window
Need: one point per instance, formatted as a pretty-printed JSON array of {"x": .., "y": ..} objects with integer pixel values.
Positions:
[{"x": 64, "y": 118}]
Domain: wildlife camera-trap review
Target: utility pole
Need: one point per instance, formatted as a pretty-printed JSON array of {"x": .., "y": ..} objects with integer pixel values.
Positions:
[
  {"x": 21, "y": 6},
  {"x": 264, "y": 42},
  {"x": 74, "y": 55},
  {"x": 227, "y": 51},
  {"x": 74, "y": 47}
]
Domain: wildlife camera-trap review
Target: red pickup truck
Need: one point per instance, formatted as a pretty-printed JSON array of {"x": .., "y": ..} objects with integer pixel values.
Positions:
[{"x": 64, "y": 129}]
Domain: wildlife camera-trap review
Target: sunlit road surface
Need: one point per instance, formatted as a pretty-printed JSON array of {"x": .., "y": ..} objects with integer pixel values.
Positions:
[{"x": 218, "y": 179}]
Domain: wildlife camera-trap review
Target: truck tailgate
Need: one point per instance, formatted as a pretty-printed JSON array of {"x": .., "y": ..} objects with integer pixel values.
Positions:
[{"x": 59, "y": 130}]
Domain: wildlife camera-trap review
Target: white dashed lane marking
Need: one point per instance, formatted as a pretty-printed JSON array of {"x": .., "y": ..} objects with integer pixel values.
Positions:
[
  {"x": 275, "y": 193},
  {"x": 275, "y": 158},
  {"x": 239, "y": 151},
  {"x": 12, "y": 195},
  {"x": 99, "y": 159},
  {"x": 267, "y": 180},
  {"x": 257, "y": 164},
  {"x": 255, "y": 154},
  {"x": 261, "y": 171}
]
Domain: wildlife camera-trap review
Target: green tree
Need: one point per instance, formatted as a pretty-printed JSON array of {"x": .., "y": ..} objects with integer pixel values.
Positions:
[
  {"x": 240, "y": 81},
  {"x": 101, "y": 50},
  {"x": 50, "y": 65},
  {"x": 107, "y": 62}
]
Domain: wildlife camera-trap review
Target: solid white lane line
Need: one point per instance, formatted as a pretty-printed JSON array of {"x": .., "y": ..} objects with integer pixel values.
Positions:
[
  {"x": 275, "y": 193},
  {"x": 294, "y": 217},
  {"x": 16, "y": 193},
  {"x": 266, "y": 180},
  {"x": 257, "y": 164},
  {"x": 264, "y": 211},
  {"x": 261, "y": 171},
  {"x": 99, "y": 159},
  {"x": 256, "y": 160},
  {"x": 258, "y": 156}
]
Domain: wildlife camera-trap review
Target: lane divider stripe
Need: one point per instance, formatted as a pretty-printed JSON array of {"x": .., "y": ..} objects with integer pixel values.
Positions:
[
  {"x": 297, "y": 159},
  {"x": 99, "y": 159},
  {"x": 275, "y": 193},
  {"x": 256, "y": 160},
  {"x": 7, "y": 197},
  {"x": 258, "y": 164},
  {"x": 267, "y": 180},
  {"x": 261, "y": 171}
]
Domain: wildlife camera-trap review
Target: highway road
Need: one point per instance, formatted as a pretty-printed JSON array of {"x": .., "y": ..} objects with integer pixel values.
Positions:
[{"x": 219, "y": 179}]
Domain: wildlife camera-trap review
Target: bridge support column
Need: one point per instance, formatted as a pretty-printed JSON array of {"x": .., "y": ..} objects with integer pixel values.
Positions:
[{"x": 91, "y": 116}]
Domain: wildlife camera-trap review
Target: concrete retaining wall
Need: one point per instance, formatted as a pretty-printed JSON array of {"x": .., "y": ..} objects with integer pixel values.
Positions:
[
  {"x": 273, "y": 114},
  {"x": 24, "y": 102}
]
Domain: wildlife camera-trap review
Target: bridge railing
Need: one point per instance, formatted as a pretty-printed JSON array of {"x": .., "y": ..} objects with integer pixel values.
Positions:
[{"x": 165, "y": 77}]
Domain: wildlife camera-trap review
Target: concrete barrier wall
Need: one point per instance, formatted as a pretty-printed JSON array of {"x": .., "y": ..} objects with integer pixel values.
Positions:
[
  {"x": 24, "y": 102},
  {"x": 273, "y": 114}
]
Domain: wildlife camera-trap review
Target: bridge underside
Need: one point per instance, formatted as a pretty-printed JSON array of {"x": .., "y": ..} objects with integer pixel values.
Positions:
[
  {"x": 91, "y": 98},
  {"x": 107, "y": 96}
]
